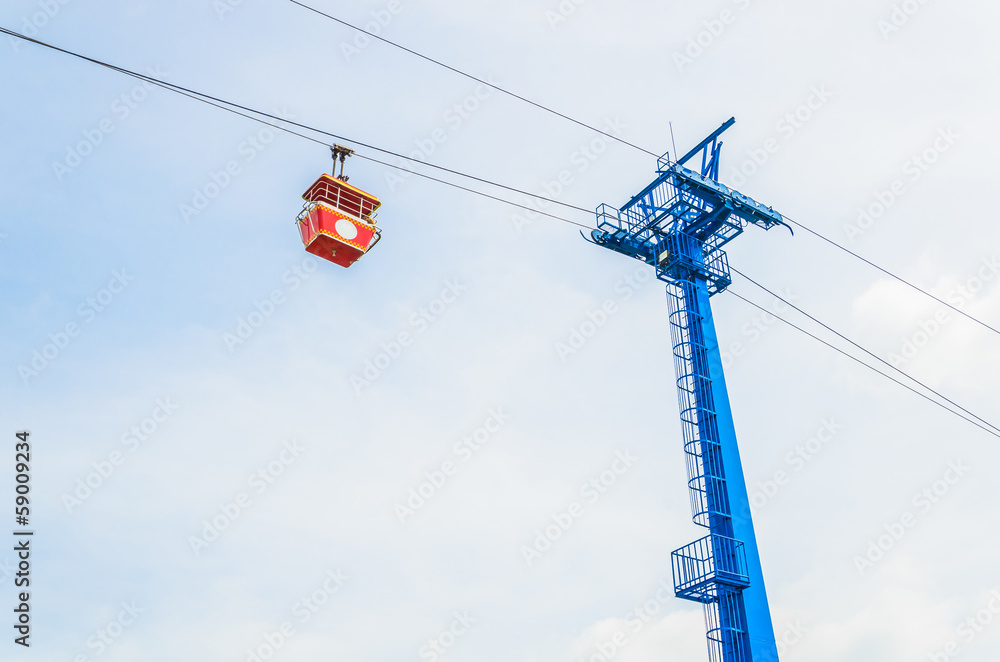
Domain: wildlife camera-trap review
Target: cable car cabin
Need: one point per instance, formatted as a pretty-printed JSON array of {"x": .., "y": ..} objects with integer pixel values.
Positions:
[{"x": 338, "y": 221}]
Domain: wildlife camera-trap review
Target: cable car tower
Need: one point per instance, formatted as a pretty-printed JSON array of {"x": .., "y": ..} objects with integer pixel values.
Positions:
[{"x": 679, "y": 225}]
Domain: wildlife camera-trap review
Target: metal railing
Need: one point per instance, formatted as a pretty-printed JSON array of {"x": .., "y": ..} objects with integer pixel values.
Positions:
[{"x": 707, "y": 567}]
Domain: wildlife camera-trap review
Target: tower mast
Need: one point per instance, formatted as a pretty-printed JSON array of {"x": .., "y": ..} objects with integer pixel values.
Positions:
[{"x": 679, "y": 225}]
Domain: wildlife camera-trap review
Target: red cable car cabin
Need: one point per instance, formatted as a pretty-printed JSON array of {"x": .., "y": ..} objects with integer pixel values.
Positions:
[{"x": 337, "y": 223}]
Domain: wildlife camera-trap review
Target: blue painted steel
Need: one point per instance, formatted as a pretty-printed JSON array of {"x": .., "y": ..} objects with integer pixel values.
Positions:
[
  {"x": 758, "y": 614},
  {"x": 679, "y": 224},
  {"x": 701, "y": 567},
  {"x": 710, "y": 149}
]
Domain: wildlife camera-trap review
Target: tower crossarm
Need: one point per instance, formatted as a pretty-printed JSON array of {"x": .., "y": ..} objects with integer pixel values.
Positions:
[{"x": 680, "y": 223}]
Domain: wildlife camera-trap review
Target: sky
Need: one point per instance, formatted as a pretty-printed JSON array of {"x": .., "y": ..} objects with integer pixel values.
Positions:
[{"x": 242, "y": 452}]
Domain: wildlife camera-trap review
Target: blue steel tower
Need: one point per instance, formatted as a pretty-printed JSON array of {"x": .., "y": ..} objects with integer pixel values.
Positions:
[{"x": 679, "y": 225}]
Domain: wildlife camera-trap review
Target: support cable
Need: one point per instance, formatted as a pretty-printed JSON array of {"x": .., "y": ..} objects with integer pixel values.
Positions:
[
  {"x": 866, "y": 351},
  {"x": 471, "y": 77},
  {"x": 232, "y": 108},
  {"x": 870, "y": 367},
  {"x": 892, "y": 275},
  {"x": 641, "y": 149},
  {"x": 207, "y": 98}
]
